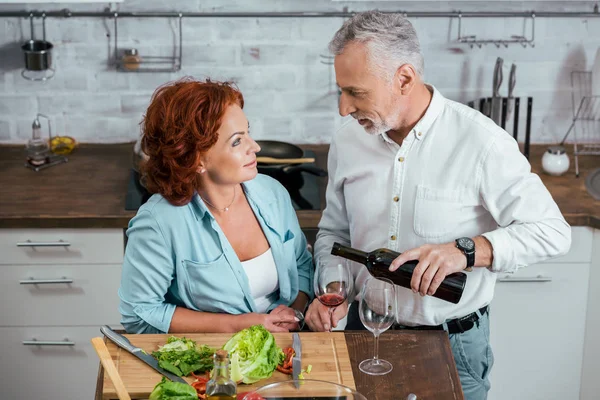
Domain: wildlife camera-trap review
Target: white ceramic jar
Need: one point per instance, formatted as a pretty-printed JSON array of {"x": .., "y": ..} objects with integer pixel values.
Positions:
[{"x": 555, "y": 160}]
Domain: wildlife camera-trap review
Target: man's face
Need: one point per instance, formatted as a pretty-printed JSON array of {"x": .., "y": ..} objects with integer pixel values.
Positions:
[{"x": 366, "y": 94}]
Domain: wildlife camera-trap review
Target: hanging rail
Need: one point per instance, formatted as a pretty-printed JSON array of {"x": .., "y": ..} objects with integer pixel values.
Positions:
[{"x": 66, "y": 13}]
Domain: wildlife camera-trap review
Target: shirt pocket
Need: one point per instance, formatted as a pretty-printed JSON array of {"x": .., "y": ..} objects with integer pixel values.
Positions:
[
  {"x": 437, "y": 212},
  {"x": 205, "y": 285}
]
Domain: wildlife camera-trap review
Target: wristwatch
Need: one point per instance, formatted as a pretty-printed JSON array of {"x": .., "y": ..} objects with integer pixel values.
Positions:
[
  {"x": 467, "y": 245},
  {"x": 300, "y": 316}
]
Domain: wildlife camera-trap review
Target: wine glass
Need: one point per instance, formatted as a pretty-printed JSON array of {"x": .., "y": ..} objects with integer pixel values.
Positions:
[
  {"x": 333, "y": 282},
  {"x": 377, "y": 312}
]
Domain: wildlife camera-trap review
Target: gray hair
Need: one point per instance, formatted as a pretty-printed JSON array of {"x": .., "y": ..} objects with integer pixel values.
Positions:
[{"x": 390, "y": 38}]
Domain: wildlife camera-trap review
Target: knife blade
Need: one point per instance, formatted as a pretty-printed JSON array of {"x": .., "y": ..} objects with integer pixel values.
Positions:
[
  {"x": 497, "y": 82},
  {"x": 512, "y": 80},
  {"x": 125, "y": 344},
  {"x": 297, "y": 359}
]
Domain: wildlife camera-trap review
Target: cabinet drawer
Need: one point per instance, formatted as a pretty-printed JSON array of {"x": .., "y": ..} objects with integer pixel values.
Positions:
[
  {"x": 55, "y": 295},
  {"x": 65, "y": 372},
  {"x": 61, "y": 246}
]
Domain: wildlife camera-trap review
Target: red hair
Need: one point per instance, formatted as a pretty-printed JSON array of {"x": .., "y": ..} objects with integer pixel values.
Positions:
[{"x": 180, "y": 125}]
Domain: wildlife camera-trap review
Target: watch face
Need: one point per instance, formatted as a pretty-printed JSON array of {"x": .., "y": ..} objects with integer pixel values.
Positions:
[{"x": 466, "y": 243}]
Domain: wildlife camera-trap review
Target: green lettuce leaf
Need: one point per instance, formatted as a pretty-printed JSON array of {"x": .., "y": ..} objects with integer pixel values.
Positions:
[
  {"x": 167, "y": 390},
  {"x": 253, "y": 353}
]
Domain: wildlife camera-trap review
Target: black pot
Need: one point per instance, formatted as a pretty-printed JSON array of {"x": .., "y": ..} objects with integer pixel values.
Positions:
[
  {"x": 275, "y": 149},
  {"x": 289, "y": 175}
]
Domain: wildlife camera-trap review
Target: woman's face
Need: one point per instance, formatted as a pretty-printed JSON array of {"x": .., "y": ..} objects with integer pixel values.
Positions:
[{"x": 233, "y": 157}]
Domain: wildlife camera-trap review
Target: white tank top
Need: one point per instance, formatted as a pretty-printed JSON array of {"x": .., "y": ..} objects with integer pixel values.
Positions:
[{"x": 263, "y": 280}]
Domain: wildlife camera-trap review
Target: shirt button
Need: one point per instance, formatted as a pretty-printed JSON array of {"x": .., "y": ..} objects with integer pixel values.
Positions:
[
  {"x": 420, "y": 133},
  {"x": 401, "y": 159},
  {"x": 396, "y": 199},
  {"x": 393, "y": 237}
]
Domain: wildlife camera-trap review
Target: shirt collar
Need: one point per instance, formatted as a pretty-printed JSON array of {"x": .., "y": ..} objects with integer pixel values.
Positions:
[
  {"x": 436, "y": 106},
  {"x": 253, "y": 193}
]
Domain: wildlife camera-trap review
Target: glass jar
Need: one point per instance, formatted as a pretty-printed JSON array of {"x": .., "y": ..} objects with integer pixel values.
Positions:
[{"x": 131, "y": 60}]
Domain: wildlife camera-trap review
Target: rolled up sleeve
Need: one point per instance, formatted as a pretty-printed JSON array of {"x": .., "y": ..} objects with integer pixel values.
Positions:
[
  {"x": 531, "y": 227},
  {"x": 148, "y": 270}
]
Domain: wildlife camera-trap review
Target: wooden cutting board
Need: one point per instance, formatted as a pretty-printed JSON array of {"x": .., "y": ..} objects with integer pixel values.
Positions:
[{"x": 326, "y": 352}]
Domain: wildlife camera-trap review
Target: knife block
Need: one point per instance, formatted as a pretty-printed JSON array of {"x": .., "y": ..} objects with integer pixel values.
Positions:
[{"x": 484, "y": 105}]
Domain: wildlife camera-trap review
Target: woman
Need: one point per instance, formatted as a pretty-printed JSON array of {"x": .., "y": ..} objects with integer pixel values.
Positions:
[{"x": 217, "y": 248}]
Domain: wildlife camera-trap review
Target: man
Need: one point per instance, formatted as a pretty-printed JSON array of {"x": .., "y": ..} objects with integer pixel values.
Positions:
[{"x": 427, "y": 172}]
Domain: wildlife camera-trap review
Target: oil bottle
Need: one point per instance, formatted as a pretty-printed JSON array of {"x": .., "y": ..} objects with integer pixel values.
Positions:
[{"x": 220, "y": 386}]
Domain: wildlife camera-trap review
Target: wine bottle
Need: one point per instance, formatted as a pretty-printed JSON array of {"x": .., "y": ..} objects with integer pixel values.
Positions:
[{"x": 378, "y": 263}]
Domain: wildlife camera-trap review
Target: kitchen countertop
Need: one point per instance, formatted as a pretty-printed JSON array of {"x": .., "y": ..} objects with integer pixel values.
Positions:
[
  {"x": 89, "y": 191},
  {"x": 422, "y": 360}
]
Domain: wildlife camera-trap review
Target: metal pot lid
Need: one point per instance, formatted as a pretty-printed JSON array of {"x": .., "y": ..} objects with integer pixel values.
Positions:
[{"x": 557, "y": 150}]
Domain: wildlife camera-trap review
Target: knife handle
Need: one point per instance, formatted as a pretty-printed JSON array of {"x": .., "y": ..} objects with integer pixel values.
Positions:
[{"x": 118, "y": 339}]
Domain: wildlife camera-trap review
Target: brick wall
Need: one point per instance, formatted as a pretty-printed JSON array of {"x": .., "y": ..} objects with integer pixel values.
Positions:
[{"x": 290, "y": 93}]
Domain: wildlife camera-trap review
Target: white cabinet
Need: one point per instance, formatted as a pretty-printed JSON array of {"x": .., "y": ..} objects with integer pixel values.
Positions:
[
  {"x": 58, "y": 287},
  {"x": 66, "y": 370},
  {"x": 590, "y": 383},
  {"x": 537, "y": 326}
]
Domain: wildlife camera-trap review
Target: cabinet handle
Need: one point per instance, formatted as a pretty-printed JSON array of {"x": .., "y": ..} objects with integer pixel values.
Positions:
[
  {"x": 29, "y": 243},
  {"x": 33, "y": 281},
  {"x": 539, "y": 278},
  {"x": 35, "y": 342}
]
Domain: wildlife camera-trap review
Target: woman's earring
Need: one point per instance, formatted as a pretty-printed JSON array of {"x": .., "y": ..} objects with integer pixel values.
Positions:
[{"x": 202, "y": 171}]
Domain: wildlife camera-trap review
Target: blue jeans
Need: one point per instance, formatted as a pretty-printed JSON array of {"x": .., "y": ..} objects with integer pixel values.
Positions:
[
  {"x": 472, "y": 354},
  {"x": 474, "y": 359}
]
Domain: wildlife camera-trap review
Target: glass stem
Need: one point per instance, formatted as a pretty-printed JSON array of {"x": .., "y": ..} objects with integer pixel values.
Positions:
[
  {"x": 331, "y": 309},
  {"x": 376, "y": 348}
]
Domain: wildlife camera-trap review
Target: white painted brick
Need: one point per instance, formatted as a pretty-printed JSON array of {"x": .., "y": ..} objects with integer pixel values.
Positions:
[
  {"x": 279, "y": 54},
  {"x": 5, "y": 130},
  {"x": 144, "y": 5},
  {"x": 135, "y": 104},
  {"x": 17, "y": 105},
  {"x": 102, "y": 104},
  {"x": 266, "y": 78},
  {"x": 199, "y": 30},
  {"x": 110, "y": 80},
  {"x": 102, "y": 130},
  {"x": 307, "y": 102},
  {"x": 72, "y": 79},
  {"x": 89, "y": 55},
  {"x": 279, "y": 128},
  {"x": 198, "y": 55},
  {"x": 148, "y": 31},
  {"x": 265, "y": 30},
  {"x": 149, "y": 81},
  {"x": 317, "y": 129},
  {"x": 318, "y": 31},
  {"x": 70, "y": 30},
  {"x": 320, "y": 76}
]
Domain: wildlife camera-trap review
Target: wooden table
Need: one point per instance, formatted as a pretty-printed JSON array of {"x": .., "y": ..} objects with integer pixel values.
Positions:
[{"x": 423, "y": 365}]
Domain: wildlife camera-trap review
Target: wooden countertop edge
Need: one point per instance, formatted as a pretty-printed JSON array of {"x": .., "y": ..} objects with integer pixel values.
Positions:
[{"x": 309, "y": 219}]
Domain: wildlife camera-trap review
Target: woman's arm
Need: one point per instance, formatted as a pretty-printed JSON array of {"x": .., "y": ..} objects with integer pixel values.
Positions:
[{"x": 185, "y": 320}]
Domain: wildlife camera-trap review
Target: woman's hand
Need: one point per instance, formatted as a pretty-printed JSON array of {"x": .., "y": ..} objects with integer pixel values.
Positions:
[
  {"x": 277, "y": 322},
  {"x": 287, "y": 311},
  {"x": 317, "y": 317}
]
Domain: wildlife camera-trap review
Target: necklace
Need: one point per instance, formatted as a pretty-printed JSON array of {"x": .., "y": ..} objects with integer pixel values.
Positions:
[{"x": 217, "y": 208}]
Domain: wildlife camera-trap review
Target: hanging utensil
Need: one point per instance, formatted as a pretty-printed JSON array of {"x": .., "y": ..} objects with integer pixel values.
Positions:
[
  {"x": 497, "y": 82},
  {"x": 512, "y": 80}
]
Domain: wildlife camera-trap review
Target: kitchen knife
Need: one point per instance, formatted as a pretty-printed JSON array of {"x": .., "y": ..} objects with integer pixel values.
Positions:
[
  {"x": 297, "y": 359},
  {"x": 125, "y": 344},
  {"x": 497, "y": 82},
  {"x": 512, "y": 80}
]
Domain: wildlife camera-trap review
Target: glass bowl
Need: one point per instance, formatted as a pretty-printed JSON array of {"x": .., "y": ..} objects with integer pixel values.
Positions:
[{"x": 308, "y": 389}]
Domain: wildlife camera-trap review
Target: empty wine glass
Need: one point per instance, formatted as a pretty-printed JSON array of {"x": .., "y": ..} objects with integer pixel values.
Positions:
[
  {"x": 333, "y": 282},
  {"x": 377, "y": 312}
]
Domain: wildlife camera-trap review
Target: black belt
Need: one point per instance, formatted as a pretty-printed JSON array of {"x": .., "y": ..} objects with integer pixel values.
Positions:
[{"x": 458, "y": 325}]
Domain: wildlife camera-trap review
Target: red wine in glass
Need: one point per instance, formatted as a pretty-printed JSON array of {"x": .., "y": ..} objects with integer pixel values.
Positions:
[{"x": 331, "y": 299}]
